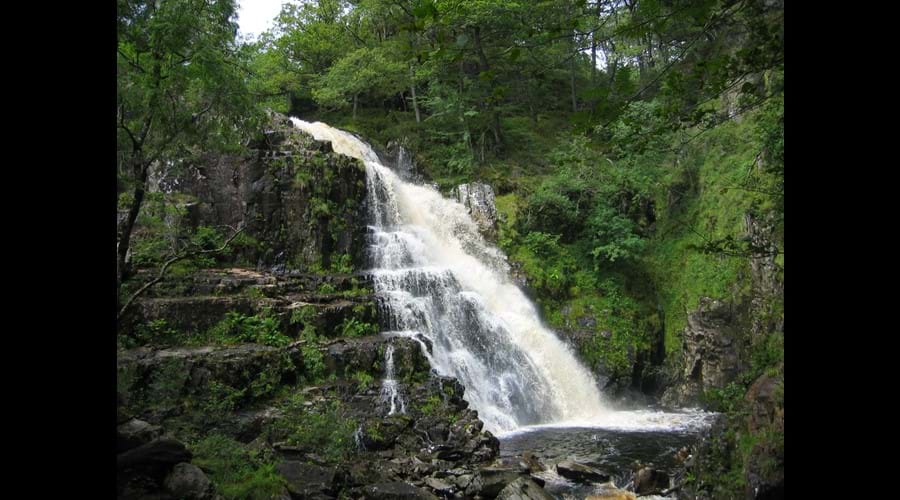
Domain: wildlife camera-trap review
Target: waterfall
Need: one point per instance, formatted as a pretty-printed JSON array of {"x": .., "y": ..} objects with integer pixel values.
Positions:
[
  {"x": 437, "y": 277},
  {"x": 390, "y": 392}
]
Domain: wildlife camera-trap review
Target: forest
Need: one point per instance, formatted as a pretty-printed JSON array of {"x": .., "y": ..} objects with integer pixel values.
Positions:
[{"x": 633, "y": 152}]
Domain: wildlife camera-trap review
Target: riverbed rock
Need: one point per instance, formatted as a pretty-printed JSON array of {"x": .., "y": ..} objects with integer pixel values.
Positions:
[
  {"x": 187, "y": 481},
  {"x": 648, "y": 480},
  {"x": 580, "y": 472},
  {"x": 396, "y": 491},
  {"x": 495, "y": 479},
  {"x": 523, "y": 489},
  {"x": 609, "y": 491},
  {"x": 532, "y": 463}
]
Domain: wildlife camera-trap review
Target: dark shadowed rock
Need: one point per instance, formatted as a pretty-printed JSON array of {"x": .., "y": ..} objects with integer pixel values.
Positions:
[
  {"x": 396, "y": 491},
  {"x": 711, "y": 351},
  {"x": 187, "y": 481},
  {"x": 494, "y": 479},
  {"x": 306, "y": 480},
  {"x": 159, "y": 453},
  {"x": 134, "y": 433},
  {"x": 580, "y": 472},
  {"x": 439, "y": 486},
  {"x": 523, "y": 489}
]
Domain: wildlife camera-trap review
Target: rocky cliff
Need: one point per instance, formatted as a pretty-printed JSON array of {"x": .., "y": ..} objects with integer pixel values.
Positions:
[{"x": 263, "y": 373}]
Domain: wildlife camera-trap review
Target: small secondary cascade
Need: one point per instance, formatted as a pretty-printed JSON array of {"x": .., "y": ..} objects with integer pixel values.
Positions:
[
  {"x": 436, "y": 276},
  {"x": 390, "y": 392}
]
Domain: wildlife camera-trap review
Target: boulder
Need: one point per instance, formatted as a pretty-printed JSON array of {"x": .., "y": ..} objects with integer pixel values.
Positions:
[
  {"x": 523, "y": 489},
  {"x": 187, "y": 481},
  {"x": 159, "y": 454},
  {"x": 439, "y": 486},
  {"x": 648, "y": 481},
  {"x": 307, "y": 480},
  {"x": 396, "y": 491},
  {"x": 609, "y": 491},
  {"x": 135, "y": 433},
  {"x": 494, "y": 479},
  {"x": 580, "y": 472},
  {"x": 531, "y": 462}
]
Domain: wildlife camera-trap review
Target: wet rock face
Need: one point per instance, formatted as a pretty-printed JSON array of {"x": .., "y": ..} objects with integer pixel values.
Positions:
[
  {"x": 304, "y": 203},
  {"x": 649, "y": 481},
  {"x": 713, "y": 351},
  {"x": 523, "y": 489},
  {"x": 478, "y": 198},
  {"x": 400, "y": 159}
]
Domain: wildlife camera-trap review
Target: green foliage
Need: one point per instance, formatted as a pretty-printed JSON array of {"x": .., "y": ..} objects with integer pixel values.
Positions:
[
  {"x": 167, "y": 384},
  {"x": 156, "y": 331},
  {"x": 728, "y": 399},
  {"x": 303, "y": 315},
  {"x": 613, "y": 236},
  {"x": 364, "y": 379},
  {"x": 352, "y": 327},
  {"x": 236, "y": 471},
  {"x": 325, "y": 431},
  {"x": 431, "y": 405},
  {"x": 220, "y": 399},
  {"x": 313, "y": 363},
  {"x": 237, "y": 328},
  {"x": 342, "y": 264}
]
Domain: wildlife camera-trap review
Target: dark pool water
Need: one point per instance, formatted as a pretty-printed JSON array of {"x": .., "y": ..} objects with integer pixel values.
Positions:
[{"x": 613, "y": 451}]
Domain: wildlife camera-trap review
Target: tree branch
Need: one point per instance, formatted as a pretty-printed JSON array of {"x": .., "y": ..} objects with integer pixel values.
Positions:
[{"x": 162, "y": 272}]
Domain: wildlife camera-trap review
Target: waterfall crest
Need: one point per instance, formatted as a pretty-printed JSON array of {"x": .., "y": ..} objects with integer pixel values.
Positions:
[{"x": 435, "y": 275}]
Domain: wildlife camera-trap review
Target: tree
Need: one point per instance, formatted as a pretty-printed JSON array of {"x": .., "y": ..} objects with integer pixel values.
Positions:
[{"x": 180, "y": 85}]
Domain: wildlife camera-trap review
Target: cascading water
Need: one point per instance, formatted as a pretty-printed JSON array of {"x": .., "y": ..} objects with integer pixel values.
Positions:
[
  {"x": 390, "y": 392},
  {"x": 437, "y": 277}
]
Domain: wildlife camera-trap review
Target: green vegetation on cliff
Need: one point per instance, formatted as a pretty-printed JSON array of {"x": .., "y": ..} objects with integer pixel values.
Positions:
[{"x": 635, "y": 147}]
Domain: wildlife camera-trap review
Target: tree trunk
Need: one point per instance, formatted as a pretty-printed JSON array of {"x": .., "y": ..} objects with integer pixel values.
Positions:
[
  {"x": 140, "y": 186},
  {"x": 412, "y": 90},
  {"x": 355, "y": 98}
]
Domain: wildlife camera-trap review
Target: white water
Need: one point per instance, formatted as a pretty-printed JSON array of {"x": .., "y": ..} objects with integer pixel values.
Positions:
[
  {"x": 390, "y": 391},
  {"x": 435, "y": 276}
]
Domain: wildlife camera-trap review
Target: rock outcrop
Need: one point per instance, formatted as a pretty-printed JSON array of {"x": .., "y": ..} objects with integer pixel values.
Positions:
[
  {"x": 478, "y": 198},
  {"x": 301, "y": 203},
  {"x": 713, "y": 352}
]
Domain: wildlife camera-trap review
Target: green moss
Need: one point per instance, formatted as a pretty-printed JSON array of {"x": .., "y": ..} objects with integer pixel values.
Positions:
[
  {"x": 431, "y": 405},
  {"x": 326, "y": 431},
  {"x": 236, "y": 471}
]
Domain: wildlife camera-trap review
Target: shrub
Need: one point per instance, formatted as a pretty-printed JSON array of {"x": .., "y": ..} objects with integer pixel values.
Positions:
[
  {"x": 236, "y": 471},
  {"x": 237, "y": 327}
]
